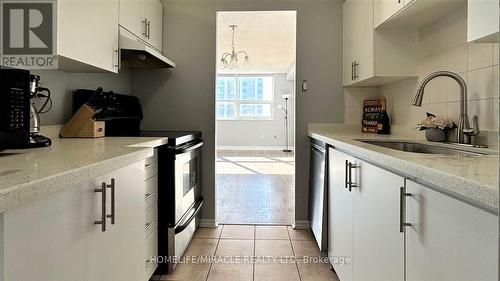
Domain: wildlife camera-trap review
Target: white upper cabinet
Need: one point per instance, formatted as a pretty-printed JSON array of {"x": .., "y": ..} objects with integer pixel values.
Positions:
[
  {"x": 375, "y": 57},
  {"x": 448, "y": 240},
  {"x": 132, "y": 17},
  {"x": 87, "y": 35},
  {"x": 384, "y": 9},
  {"x": 154, "y": 15},
  {"x": 482, "y": 20},
  {"x": 144, "y": 19}
]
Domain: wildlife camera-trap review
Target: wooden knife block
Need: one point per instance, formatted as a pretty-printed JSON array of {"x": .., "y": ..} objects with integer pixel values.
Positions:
[{"x": 83, "y": 125}]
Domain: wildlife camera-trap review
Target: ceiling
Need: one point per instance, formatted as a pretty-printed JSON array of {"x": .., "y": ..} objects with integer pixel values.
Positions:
[{"x": 268, "y": 37}]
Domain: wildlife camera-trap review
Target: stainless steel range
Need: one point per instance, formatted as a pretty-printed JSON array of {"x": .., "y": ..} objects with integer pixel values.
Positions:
[{"x": 179, "y": 195}]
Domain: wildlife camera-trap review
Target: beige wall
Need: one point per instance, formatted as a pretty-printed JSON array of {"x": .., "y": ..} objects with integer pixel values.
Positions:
[
  {"x": 184, "y": 98},
  {"x": 442, "y": 46}
]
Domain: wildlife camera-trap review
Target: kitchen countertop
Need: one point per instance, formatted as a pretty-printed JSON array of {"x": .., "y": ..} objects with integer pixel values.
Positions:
[
  {"x": 29, "y": 174},
  {"x": 471, "y": 179}
]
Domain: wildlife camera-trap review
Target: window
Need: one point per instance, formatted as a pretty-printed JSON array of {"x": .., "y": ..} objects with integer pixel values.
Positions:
[{"x": 245, "y": 98}]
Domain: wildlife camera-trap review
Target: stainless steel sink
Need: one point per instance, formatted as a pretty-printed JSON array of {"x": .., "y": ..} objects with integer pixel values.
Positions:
[{"x": 416, "y": 147}]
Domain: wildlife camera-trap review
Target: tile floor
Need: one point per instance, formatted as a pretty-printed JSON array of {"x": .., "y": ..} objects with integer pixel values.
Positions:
[
  {"x": 255, "y": 187},
  {"x": 253, "y": 253}
]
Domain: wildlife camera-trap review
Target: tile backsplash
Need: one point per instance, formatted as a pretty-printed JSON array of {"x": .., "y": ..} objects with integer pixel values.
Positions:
[{"x": 442, "y": 46}]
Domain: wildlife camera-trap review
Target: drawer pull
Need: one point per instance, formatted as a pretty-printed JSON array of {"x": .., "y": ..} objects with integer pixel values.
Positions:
[
  {"x": 148, "y": 195},
  {"x": 148, "y": 225},
  {"x": 148, "y": 263},
  {"x": 149, "y": 165}
]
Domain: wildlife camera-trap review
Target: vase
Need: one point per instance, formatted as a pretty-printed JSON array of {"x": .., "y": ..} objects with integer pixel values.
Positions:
[{"x": 435, "y": 135}]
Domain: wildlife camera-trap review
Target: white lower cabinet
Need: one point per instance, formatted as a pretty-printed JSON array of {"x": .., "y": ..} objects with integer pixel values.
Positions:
[
  {"x": 56, "y": 238},
  {"x": 378, "y": 243},
  {"x": 392, "y": 229},
  {"x": 448, "y": 240},
  {"x": 340, "y": 216}
]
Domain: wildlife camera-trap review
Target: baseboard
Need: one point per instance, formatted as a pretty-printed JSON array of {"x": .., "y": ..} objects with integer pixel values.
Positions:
[
  {"x": 301, "y": 225},
  {"x": 252, "y": 148},
  {"x": 208, "y": 223}
]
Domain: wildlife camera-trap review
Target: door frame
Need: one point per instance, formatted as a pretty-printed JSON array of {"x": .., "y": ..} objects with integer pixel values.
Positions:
[{"x": 294, "y": 122}]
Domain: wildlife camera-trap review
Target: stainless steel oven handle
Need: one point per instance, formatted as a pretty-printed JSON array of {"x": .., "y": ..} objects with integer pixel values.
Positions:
[{"x": 184, "y": 223}]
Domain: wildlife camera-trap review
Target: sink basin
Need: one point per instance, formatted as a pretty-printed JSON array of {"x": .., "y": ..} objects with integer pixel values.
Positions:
[{"x": 423, "y": 148}]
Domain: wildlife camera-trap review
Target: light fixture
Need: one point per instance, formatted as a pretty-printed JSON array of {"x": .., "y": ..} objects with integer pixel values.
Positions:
[
  {"x": 285, "y": 110},
  {"x": 230, "y": 60}
]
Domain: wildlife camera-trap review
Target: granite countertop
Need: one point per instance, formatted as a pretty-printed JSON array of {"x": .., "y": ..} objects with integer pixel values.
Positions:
[
  {"x": 29, "y": 174},
  {"x": 471, "y": 179}
]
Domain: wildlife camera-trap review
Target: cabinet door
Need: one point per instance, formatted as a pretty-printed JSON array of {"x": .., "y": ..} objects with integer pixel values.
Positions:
[
  {"x": 482, "y": 20},
  {"x": 88, "y": 33},
  {"x": 384, "y": 9},
  {"x": 132, "y": 17},
  {"x": 448, "y": 240},
  {"x": 123, "y": 242},
  {"x": 378, "y": 243},
  {"x": 349, "y": 15},
  {"x": 54, "y": 237},
  {"x": 362, "y": 33},
  {"x": 340, "y": 208},
  {"x": 154, "y": 14}
]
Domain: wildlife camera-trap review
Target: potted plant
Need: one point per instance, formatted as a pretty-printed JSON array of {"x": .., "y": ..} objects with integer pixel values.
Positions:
[{"x": 435, "y": 127}]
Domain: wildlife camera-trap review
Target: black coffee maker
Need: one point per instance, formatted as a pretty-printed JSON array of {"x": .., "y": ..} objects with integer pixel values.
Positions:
[{"x": 16, "y": 92}]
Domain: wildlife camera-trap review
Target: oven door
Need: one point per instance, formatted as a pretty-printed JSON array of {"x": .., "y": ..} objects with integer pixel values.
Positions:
[{"x": 187, "y": 178}]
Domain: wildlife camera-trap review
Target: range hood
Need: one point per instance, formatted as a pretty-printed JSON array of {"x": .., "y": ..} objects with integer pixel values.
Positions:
[{"x": 136, "y": 53}]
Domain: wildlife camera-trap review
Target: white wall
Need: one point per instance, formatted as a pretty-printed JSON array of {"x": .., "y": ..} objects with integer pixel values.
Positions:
[
  {"x": 442, "y": 46},
  {"x": 62, "y": 85},
  {"x": 184, "y": 98},
  {"x": 261, "y": 133}
]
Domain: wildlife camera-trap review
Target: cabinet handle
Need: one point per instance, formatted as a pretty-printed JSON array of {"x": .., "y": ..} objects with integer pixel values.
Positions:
[
  {"x": 145, "y": 22},
  {"x": 148, "y": 195},
  {"x": 355, "y": 71},
  {"x": 351, "y": 184},
  {"x": 346, "y": 182},
  {"x": 116, "y": 55},
  {"x": 149, "y": 29},
  {"x": 402, "y": 209},
  {"x": 102, "y": 222},
  {"x": 147, "y": 226},
  {"x": 113, "y": 199},
  {"x": 352, "y": 71}
]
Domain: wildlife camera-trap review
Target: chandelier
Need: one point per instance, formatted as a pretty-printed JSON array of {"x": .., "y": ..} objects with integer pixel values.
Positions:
[{"x": 230, "y": 60}]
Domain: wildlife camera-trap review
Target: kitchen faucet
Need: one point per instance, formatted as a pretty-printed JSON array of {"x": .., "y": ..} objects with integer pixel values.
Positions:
[{"x": 464, "y": 131}]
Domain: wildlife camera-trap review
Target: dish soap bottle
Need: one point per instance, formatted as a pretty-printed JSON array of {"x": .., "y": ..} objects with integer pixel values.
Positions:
[{"x": 383, "y": 122}]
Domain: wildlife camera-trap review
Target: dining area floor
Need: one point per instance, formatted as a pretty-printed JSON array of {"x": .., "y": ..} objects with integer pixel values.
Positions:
[{"x": 255, "y": 187}]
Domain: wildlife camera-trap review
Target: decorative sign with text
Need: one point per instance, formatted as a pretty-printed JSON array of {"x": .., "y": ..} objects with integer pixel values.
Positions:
[{"x": 371, "y": 111}]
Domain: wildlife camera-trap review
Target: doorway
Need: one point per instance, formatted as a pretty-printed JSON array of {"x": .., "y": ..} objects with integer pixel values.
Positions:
[{"x": 255, "y": 117}]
